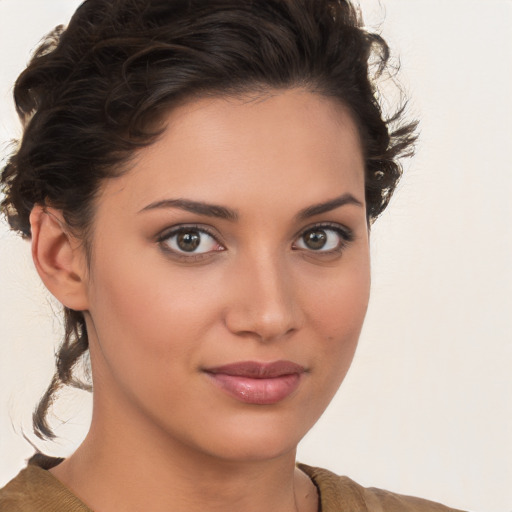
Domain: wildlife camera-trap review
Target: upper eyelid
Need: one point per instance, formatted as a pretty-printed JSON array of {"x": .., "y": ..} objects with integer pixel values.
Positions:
[
  {"x": 170, "y": 231},
  {"x": 335, "y": 226}
]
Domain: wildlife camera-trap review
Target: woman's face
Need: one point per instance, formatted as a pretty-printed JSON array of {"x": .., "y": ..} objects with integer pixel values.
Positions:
[{"x": 229, "y": 276}]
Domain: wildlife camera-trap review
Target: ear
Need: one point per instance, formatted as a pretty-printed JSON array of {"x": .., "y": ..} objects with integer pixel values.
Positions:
[{"x": 59, "y": 258}]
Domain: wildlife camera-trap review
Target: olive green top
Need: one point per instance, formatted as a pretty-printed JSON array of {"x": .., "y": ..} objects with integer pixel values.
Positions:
[{"x": 36, "y": 490}]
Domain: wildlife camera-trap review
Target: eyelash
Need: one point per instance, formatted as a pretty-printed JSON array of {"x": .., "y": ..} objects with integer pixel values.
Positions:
[
  {"x": 346, "y": 236},
  {"x": 164, "y": 238}
]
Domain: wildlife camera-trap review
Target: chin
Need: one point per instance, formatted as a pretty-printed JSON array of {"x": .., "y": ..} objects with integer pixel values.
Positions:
[
  {"x": 255, "y": 439},
  {"x": 255, "y": 450}
]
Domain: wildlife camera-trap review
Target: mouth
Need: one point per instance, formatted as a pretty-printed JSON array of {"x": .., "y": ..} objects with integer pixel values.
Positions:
[{"x": 257, "y": 383}]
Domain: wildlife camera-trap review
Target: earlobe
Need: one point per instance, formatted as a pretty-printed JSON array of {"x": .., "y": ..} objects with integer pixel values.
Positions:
[{"x": 58, "y": 258}]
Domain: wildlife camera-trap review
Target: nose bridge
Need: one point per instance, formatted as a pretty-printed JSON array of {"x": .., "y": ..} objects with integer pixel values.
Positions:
[{"x": 265, "y": 304}]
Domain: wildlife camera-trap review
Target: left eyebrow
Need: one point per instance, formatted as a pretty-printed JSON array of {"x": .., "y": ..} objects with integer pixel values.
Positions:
[{"x": 332, "y": 204}]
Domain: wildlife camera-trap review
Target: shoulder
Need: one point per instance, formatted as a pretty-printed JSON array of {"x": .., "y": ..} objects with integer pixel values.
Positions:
[
  {"x": 341, "y": 493},
  {"x": 35, "y": 489}
]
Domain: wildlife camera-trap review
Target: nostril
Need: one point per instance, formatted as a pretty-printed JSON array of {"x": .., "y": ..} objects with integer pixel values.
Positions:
[{"x": 263, "y": 325}]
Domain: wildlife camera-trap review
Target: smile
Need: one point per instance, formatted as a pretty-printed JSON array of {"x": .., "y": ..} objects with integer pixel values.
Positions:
[{"x": 257, "y": 383}]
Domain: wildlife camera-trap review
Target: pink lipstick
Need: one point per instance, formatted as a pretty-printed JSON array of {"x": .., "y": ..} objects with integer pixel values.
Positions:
[{"x": 257, "y": 383}]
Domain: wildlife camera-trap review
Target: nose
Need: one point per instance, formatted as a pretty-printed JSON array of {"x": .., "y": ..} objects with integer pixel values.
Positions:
[{"x": 263, "y": 305}]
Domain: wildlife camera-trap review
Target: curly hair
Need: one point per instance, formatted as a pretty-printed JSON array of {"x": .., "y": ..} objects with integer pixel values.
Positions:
[{"x": 97, "y": 90}]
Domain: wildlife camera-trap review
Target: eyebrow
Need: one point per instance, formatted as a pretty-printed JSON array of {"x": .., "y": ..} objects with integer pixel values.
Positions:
[
  {"x": 332, "y": 204},
  {"x": 221, "y": 212},
  {"x": 210, "y": 210}
]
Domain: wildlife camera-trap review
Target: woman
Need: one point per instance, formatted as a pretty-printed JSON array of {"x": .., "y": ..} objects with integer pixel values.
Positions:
[{"x": 198, "y": 181}]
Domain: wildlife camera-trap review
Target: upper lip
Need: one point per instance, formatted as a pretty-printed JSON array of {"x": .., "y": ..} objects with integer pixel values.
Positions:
[{"x": 257, "y": 370}]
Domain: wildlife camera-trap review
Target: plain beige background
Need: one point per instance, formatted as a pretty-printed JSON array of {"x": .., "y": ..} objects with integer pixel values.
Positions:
[{"x": 427, "y": 408}]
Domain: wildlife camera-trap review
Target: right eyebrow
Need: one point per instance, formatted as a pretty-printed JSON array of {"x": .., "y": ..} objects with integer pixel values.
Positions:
[{"x": 210, "y": 210}]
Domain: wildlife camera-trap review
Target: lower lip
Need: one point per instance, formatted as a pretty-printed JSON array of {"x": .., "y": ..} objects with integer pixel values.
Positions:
[{"x": 257, "y": 391}]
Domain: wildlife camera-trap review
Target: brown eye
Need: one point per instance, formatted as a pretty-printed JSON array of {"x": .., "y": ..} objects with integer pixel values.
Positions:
[
  {"x": 324, "y": 239},
  {"x": 188, "y": 241},
  {"x": 191, "y": 241},
  {"x": 315, "y": 239}
]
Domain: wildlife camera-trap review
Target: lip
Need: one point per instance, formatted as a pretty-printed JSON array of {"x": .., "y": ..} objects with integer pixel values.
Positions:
[{"x": 257, "y": 383}]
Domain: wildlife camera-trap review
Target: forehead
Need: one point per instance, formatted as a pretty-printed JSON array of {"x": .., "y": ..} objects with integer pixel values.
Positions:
[{"x": 235, "y": 150}]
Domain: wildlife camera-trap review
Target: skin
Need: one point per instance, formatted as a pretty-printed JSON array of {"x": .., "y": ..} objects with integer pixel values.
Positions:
[{"x": 157, "y": 318}]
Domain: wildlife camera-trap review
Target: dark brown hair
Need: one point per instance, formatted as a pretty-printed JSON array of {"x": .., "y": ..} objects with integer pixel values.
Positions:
[{"x": 95, "y": 91}]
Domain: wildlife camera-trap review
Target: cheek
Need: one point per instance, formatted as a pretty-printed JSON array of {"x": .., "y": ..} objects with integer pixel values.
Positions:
[
  {"x": 338, "y": 302},
  {"x": 337, "y": 308},
  {"x": 151, "y": 311},
  {"x": 147, "y": 332}
]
